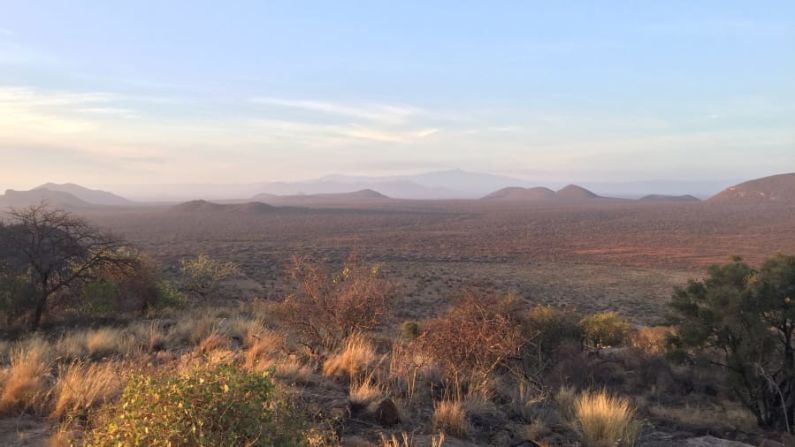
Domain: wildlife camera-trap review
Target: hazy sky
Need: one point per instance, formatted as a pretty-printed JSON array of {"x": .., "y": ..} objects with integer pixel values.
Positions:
[{"x": 105, "y": 93}]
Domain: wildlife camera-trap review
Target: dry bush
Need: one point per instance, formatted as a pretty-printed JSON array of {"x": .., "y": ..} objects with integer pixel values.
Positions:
[
  {"x": 262, "y": 349},
  {"x": 605, "y": 421},
  {"x": 328, "y": 307},
  {"x": 293, "y": 370},
  {"x": 410, "y": 370},
  {"x": 566, "y": 399},
  {"x": 95, "y": 343},
  {"x": 216, "y": 341},
  {"x": 106, "y": 342},
  {"x": 474, "y": 338},
  {"x": 148, "y": 336},
  {"x": 651, "y": 340},
  {"x": 450, "y": 416},
  {"x": 202, "y": 275},
  {"x": 354, "y": 358},
  {"x": 81, "y": 387},
  {"x": 25, "y": 386},
  {"x": 524, "y": 398},
  {"x": 191, "y": 331}
]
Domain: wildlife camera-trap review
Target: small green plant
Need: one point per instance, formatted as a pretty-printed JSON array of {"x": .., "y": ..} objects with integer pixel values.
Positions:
[
  {"x": 168, "y": 295},
  {"x": 410, "y": 330},
  {"x": 210, "y": 406},
  {"x": 605, "y": 329}
]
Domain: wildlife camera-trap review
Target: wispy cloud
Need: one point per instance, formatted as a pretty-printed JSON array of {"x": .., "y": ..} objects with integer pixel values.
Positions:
[
  {"x": 382, "y": 113},
  {"x": 5, "y": 32}
]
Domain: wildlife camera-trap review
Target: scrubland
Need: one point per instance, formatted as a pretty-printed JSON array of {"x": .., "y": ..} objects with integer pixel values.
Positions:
[{"x": 410, "y": 328}]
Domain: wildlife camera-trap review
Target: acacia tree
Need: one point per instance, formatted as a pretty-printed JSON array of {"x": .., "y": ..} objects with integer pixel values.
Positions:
[
  {"x": 54, "y": 251},
  {"x": 743, "y": 320}
]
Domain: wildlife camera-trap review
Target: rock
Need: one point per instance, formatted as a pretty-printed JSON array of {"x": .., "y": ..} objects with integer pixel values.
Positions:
[
  {"x": 385, "y": 412},
  {"x": 711, "y": 441}
]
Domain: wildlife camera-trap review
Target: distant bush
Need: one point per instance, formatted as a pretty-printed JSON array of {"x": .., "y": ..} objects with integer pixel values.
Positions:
[
  {"x": 326, "y": 308},
  {"x": 410, "y": 330},
  {"x": 605, "y": 329},
  {"x": 203, "y": 275},
  {"x": 210, "y": 406}
]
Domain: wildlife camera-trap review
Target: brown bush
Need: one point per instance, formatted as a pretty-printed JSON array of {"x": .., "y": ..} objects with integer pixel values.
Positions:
[
  {"x": 328, "y": 307},
  {"x": 474, "y": 337}
]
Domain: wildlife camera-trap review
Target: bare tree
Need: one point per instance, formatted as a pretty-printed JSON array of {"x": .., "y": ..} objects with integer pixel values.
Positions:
[{"x": 55, "y": 250}]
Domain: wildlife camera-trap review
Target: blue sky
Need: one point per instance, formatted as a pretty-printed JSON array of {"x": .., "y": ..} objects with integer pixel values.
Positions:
[{"x": 105, "y": 93}]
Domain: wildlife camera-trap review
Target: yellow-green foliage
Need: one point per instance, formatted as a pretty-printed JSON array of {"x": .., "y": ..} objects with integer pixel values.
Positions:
[
  {"x": 605, "y": 421},
  {"x": 605, "y": 329},
  {"x": 210, "y": 406}
]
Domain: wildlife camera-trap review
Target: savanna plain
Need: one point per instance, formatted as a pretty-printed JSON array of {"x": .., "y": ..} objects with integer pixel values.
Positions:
[{"x": 459, "y": 322}]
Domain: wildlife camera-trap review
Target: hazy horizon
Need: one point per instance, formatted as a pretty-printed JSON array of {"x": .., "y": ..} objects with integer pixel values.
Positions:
[{"x": 194, "y": 92}]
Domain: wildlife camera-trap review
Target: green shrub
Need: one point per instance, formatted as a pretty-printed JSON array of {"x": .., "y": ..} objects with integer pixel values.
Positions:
[
  {"x": 99, "y": 298},
  {"x": 605, "y": 329},
  {"x": 550, "y": 327},
  {"x": 210, "y": 406},
  {"x": 168, "y": 295},
  {"x": 410, "y": 330}
]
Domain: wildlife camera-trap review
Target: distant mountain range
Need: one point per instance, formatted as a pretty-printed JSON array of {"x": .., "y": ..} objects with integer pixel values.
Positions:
[
  {"x": 450, "y": 184},
  {"x": 336, "y": 191}
]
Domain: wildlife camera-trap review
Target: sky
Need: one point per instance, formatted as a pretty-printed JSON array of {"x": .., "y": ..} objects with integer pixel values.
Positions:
[{"x": 157, "y": 92}]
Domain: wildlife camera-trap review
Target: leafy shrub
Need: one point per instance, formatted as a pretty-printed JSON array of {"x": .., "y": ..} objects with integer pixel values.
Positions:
[
  {"x": 605, "y": 329},
  {"x": 744, "y": 320},
  {"x": 15, "y": 295},
  {"x": 548, "y": 331},
  {"x": 210, "y": 406},
  {"x": 168, "y": 295},
  {"x": 329, "y": 307},
  {"x": 99, "y": 298}
]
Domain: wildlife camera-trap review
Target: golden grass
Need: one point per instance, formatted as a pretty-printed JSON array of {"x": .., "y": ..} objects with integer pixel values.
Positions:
[
  {"x": 605, "y": 421},
  {"x": 262, "y": 350},
  {"x": 407, "y": 440},
  {"x": 81, "y": 387},
  {"x": 105, "y": 342},
  {"x": 216, "y": 341},
  {"x": 357, "y": 354},
  {"x": 95, "y": 343},
  {"x": 450, "y": 416},
  {"x": 25, "y": 385},
  {"x": 363, "y": 392}
]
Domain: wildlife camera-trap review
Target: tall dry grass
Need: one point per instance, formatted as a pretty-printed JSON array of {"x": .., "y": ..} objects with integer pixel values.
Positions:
[
  {"x": 450, "y": 416},
  {"x": 26, "y": 384},
  {"x": 353, "y": 359},
  {"x": 605, "y": 421},
  {"x": 407, "y": 440},
  {"x": 81, "y": 387}
]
